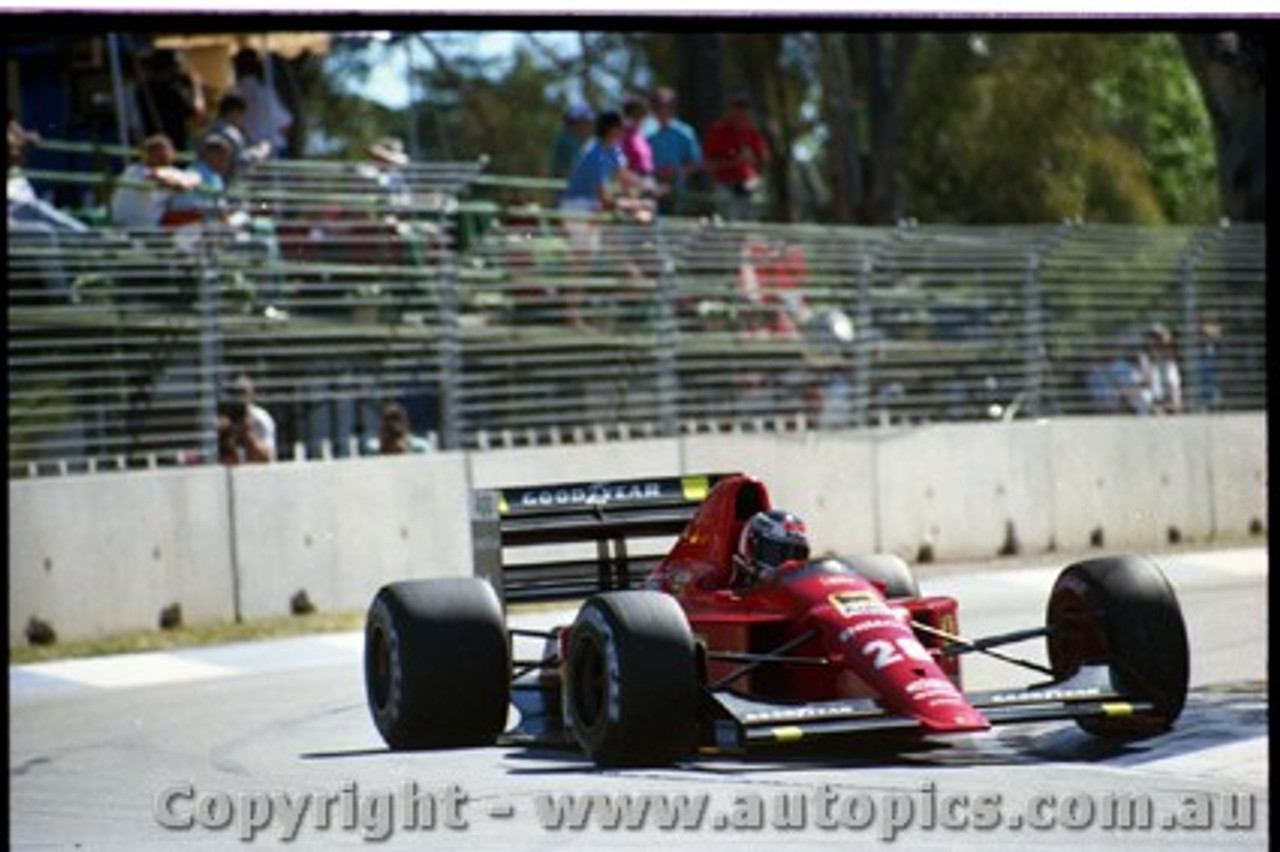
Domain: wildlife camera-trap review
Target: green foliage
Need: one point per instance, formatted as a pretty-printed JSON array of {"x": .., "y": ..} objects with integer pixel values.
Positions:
[
  {"x": 508, "y": 117},
  {"x": 1000, "y": 127},
  {"x": 338, "y": 119},
  {"x": 1039, "y": 127}
]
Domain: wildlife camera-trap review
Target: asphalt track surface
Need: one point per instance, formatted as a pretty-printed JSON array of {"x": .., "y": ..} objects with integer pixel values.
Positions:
[{"x": 96, "y": 744}]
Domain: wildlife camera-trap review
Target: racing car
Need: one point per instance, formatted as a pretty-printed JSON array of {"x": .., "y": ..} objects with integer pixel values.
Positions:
[{"x": 682, "y": 657}]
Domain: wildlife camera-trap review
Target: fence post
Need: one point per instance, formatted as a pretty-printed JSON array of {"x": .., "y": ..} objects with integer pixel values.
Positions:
[
  {"x": 666, "y": 341},
  {"x": 862, "y": 342},
  {"x": 210, "y": 350},
  {"x": 450, "y": 352},
  {"x": 1033, "y": 343},
  {"x": 1189, "y": 320},
  {"x": 1035, "y": 346}
]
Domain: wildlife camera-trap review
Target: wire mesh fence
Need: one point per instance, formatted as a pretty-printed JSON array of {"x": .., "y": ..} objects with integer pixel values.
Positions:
[{"x": 337, "y": 287}]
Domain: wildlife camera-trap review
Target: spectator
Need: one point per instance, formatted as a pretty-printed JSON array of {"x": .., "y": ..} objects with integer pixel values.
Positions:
[
  {"x": 395, "y": 437},
  {"x": 18, "y": 138},
  {"x": 1161, "y": 377},
  {"x": 736, "y": 155},
  {"x": 169, "y": 100},
  {"x": 771, "y": 279},
  {"x": 1117, "y": 387},
  {"x": 246, "y": 430},
  {"x": 136, "y": 206},
  {"x": 387, "y": 170},
  {"x": 1205, "y": 365},
  {"x": 601, "y": 179},
  {"x": 591, "y": 189},
  {"x": 266, "y": 118},
  {"x": 600, "y": 182},
  {"x": 635, "y": 147},
  {"x": 26, "y": 209},
  {"x": 229, "y": 124},
  {"x": 677, "y": 156},
  {"x": 202, "y": 202},
  {"x": 575, "y": 130},
  {"x": 237, "y": 443}
]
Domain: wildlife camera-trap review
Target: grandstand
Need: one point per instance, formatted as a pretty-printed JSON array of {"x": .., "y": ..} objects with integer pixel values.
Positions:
[{"x": 460, "y": 294}]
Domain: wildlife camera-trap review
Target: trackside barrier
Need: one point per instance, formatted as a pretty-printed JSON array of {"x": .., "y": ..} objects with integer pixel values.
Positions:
[{"x": 94, "y": 555}]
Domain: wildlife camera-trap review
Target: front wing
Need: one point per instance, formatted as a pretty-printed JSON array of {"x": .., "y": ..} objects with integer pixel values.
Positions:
[
  {"x": 739, "y": 724},
  {"x": 745, "y": 722}
]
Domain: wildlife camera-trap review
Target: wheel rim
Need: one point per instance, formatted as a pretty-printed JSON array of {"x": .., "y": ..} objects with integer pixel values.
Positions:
[
  {"x": 589, "y": 682},
  {"x": 380, "y": 669},
  {"x": 1078, "y": 634}
]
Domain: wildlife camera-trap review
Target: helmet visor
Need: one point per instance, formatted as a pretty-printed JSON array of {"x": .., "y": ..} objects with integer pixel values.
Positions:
[{"x": 773, "y": 553}]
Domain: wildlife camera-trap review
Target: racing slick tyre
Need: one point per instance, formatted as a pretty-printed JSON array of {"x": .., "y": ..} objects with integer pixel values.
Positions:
[
  {"x": 437, "y": 663},
  {"x": 632, "y": 689},
  {"x": 898, "y": 580},
  {"x": 1122, "y": 610}
]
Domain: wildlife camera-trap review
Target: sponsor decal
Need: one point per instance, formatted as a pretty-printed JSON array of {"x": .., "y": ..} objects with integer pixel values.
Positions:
[
  {"x": 934, "y": 692},
  {"x": 805, "y": 712},
  {"x": 592, "y": 494},
  {"x": 851, "y": 603},
  {"x": 863, "y": 626},
  {"x": 1028, "y": 695}
]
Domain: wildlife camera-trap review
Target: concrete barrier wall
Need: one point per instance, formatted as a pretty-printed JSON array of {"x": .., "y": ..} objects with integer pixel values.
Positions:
[
  {"x": 95, "y": 555},
  {"x": 633, "y": 459},
  {"x": 1237, "y": 450},
  {"x": 1131, "y": 484},
  {"x": 342, "y": 529},
  {"x": 103, "y": 554}
]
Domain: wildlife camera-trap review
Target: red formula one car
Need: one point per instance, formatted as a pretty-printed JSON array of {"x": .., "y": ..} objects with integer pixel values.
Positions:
[{"x": 700, "y": 658}]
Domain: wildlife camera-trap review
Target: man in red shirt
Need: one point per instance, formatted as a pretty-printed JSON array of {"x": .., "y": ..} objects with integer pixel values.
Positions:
[{"x": 736, "y": 155}]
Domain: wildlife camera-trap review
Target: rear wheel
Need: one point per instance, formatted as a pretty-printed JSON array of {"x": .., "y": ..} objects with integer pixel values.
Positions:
[
  {"x": 437, "y": 663},
  {"x": 1122, "y": 610},
  {"x": 892, "y": 571},
  {"x": 632, "y": 690}
]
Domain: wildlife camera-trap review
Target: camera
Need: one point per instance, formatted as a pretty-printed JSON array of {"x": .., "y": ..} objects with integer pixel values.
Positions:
[{"x": 236, "y": 412}]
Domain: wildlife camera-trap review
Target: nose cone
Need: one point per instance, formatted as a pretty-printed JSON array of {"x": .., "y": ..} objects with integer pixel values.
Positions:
[
  {"x": 952, "y": 720},
  {"x": 936, "y": 703}
]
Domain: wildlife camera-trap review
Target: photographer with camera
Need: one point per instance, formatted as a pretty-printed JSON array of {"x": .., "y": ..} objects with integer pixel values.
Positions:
[{"x": 246, "y": 431}]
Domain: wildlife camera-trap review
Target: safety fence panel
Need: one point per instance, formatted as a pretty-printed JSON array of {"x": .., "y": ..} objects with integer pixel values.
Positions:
[{"x": 336, "y": 287}]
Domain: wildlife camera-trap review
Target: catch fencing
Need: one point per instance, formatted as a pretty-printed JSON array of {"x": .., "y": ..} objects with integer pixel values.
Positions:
[{"x": 499, "y": 321}]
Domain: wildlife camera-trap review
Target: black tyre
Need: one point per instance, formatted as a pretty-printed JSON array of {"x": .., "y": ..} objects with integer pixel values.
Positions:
[
  {"x": 437, "y": 663},
  {"x": 632, "y": 690},
  {"x": 1123, "y": 610},
  {"x": 891, "y": 570}
]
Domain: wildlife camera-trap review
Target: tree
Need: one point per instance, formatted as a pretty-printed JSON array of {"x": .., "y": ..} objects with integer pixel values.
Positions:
[
  {"x": 1039, "y": 127},
  {"x": 1231, "y": 69}
]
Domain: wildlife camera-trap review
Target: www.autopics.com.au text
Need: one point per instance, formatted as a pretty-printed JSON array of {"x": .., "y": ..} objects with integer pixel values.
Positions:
[{"x": 377, "y": 814}]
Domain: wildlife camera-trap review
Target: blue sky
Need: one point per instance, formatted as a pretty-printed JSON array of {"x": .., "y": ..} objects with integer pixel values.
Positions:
[{"x": 388, "y": 83}]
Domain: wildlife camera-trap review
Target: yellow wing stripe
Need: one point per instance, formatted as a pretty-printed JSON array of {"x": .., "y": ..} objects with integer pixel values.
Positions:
[
  {"x": 694, "y": 488},
  {"x": 788, "y": 734},
  {"x": 1119, "y": 708}
]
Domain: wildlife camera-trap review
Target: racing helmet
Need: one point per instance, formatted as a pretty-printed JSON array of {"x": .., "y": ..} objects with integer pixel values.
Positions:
[{"x": 769, "y": 540}]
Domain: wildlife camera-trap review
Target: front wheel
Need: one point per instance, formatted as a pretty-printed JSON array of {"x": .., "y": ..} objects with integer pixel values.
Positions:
[
  {"x": 437, "y": 663},
  {"x": 632, "y": 689},
  {"x": 1122, "y": 611}
]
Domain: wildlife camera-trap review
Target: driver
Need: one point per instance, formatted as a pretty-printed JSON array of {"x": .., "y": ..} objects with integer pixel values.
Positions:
[{"x": 769, "y": 540}]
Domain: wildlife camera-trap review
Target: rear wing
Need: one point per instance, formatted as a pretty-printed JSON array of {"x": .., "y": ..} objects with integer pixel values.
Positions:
[{"x": 609, "y": 514}]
